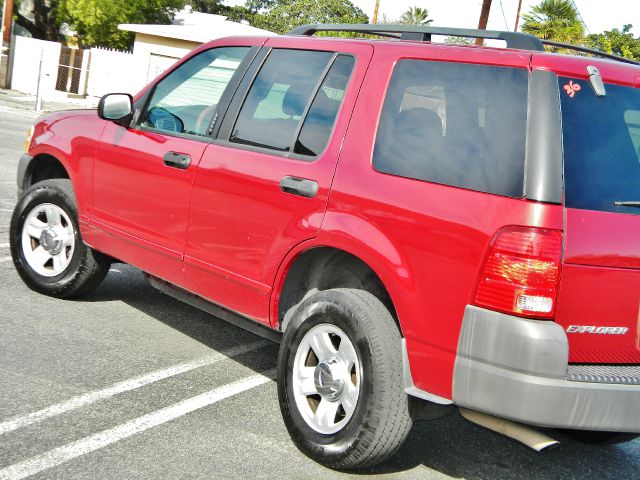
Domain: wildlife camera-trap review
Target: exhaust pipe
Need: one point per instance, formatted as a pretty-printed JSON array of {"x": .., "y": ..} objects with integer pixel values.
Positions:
[{"x": 522, "y": 433}]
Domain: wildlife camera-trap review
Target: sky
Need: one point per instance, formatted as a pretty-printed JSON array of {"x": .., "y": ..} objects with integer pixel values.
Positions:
[{"x": 598, "y": 15}]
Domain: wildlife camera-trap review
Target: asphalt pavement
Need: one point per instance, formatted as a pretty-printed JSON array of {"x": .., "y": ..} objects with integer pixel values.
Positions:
[{"x": 127, "y": 383}]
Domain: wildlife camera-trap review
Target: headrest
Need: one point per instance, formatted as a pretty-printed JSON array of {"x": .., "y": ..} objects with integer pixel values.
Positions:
[
  {"x": 420, "y": 119},
  {"x": 295, "y": 100}
]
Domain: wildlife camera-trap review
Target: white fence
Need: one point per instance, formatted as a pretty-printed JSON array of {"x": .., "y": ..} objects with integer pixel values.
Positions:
[
  {"x": 35, "y": 66},
  {"x": 114, "y": 71},
  {"x": 54, "y": 71}
]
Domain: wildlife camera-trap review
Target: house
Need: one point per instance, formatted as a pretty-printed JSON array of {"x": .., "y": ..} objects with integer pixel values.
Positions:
[{"x": 157, "y": 47}]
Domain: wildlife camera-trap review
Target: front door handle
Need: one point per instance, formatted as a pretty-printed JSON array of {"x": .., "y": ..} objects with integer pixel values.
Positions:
[
  {"x": 177, "y": 160},
  {"x": 299, "y": 186}
]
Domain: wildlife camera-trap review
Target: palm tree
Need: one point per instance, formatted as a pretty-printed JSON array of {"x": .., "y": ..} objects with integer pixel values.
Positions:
[
  {"x": 555, "y": 20},
  {"x": 415, "y": 16}
]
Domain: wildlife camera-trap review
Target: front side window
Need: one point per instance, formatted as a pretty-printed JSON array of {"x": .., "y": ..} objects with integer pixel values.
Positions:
[
  {"x": 295, "y": 96},
  {"x": 186, "y": 99},
  {"x": 455, "y": 124},
  {"x": 601, "y": 137}
]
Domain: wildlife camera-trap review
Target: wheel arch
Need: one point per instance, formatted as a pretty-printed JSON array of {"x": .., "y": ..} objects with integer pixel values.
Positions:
[
  {"x": 44, "y": 166},
  {"x": 340, "y": 262}
]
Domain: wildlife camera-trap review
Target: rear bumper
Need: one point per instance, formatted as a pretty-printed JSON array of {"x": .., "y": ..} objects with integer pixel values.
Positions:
[{"x": 517, "y": 369}]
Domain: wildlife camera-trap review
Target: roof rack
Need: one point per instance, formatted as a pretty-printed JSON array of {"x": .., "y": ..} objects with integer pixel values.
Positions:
[
  {"x": 592, "y": 51},
  {"x": 516, "y": 40}
]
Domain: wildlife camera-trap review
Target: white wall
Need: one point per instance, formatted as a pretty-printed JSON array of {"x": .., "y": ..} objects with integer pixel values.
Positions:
[
  {"x": 26, "y": 65},
  {"x": 157, "y": 54},
  {"x": 109, "y": 71}
]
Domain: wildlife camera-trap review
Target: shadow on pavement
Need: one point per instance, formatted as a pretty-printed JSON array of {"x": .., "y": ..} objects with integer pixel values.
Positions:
[
  {"x": 450, "y": 445},
  {"x": 128, "y": 285}
]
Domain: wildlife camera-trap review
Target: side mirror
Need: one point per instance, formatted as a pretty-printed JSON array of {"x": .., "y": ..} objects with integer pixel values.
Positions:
[{"x": 117, "y": 107}]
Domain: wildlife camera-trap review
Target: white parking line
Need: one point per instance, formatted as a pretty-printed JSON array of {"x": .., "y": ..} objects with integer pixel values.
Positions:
[
  {"x": 99, "y": 440},
  {"x": 4, "y": 245},
  {"x": 5, "y": 259},
  {"x": 124, "y": 386}
]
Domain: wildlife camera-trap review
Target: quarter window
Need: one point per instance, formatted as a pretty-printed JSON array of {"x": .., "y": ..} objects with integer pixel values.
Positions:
[
  {"x": 318, "y": 123},
  {"x": 185, "y": 101},
  {"x": 455, "y": 124}
]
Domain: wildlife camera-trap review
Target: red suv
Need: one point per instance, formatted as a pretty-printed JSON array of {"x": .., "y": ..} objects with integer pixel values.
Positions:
[{"x": 421, "y": 225}]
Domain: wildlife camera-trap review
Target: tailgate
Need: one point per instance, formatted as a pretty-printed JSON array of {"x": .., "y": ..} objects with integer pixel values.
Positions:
[{"x": 599, "y": 297}]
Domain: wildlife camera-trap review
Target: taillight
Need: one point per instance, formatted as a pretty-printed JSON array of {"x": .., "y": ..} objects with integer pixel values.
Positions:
[{"x": 521, "y": 272}]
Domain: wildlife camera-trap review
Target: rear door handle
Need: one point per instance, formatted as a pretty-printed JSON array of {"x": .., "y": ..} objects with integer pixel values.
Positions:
[
  {"x": 299, "y": 186},
  {"x": 177, "y": 160}
]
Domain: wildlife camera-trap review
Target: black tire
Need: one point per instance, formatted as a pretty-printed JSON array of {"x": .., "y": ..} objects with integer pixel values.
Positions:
[
  {"x": 380, "y": 421},
  {"x": 593, "y": 437},
  {"x": 86, "y": 268}
]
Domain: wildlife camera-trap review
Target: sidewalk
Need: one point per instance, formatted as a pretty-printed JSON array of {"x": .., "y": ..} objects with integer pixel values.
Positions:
[{"x": 21, "y": 101}]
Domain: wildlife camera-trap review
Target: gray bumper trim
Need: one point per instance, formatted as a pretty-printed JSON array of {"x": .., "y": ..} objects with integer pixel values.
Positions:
[
  {"x": 516, "y": 369},
  {"x": 23, "y": 166}
]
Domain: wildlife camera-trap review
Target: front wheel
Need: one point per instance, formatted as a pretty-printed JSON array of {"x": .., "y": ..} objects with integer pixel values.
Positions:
[
  {"x": 340, "y": 380},
  {"x": 46, "y": 246}
]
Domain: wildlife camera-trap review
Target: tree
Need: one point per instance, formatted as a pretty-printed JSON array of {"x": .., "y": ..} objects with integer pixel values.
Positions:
[
  {"x": 556, "y": 20},
  {"x": 285, "y": 15},
  {"x": 415, "y": 16},
  {"x": 96, "y": 21},
  {"x": 216, "y": 7},
  {"x": 618, "y": 42},
  {"x": 39, "y": 18},
  {"x": 458, "y": 40}
]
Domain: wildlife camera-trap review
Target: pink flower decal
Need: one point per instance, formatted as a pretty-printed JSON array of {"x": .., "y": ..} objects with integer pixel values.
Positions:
[{"x": 571, "y": 88}]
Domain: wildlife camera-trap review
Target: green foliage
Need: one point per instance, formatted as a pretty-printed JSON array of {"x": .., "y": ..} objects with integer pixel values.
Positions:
[
  {"x": 96, "y": 21},
  {"x": 459, "y": 40},
  {"x": 216, "y": 7},
  {"x": 617, "y": 42},
  {"x": 554, "y": 20},
  {"x": 415, "y": 16},
  {"x": 285, "y": 15}
]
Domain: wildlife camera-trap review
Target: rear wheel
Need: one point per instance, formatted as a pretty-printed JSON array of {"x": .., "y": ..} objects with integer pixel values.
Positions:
[
  {"x": 340, "y": 380},
  {"x": 600, "y": 438},
  {"x": 46, "y": 246}
]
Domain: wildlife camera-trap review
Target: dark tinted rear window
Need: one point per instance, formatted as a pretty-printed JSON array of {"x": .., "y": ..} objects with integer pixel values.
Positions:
[
  {"x": 601, "y": 146},
  {"x": 455, "y": 124}
]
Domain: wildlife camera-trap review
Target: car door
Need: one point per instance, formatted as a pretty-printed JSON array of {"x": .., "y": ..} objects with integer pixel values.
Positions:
[
  {"x": 262, "y": 186},
  {"x": 143, "y": 175}
]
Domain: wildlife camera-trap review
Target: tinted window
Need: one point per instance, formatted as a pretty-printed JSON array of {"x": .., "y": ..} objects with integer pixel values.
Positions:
[
  {"x": 277, "y": 100},
  {"x": 455, "y": 124},
  {"x": 318, "y": 123},
  {"x": 186, "y": 99},
  {"x": 601, "y": 146}
]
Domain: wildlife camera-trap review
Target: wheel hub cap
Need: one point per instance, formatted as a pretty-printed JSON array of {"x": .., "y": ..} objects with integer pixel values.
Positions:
[
  {"x": 50, "y": 241},
  {"x": 327, "y": 379}
]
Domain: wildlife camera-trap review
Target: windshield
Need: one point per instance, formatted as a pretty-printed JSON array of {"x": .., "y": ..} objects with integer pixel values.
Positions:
[{"x": 601, "y": 147}]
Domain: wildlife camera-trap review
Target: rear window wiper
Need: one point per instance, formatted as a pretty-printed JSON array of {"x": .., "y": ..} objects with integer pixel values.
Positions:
[{"x": 630, "y": 203}]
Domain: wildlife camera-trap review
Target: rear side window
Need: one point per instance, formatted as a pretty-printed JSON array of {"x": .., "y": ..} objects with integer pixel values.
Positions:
[
  {"x": 295, "y": 96},
  {"x": 601, "y": 146},
  {"x": 455, "y": 124}
]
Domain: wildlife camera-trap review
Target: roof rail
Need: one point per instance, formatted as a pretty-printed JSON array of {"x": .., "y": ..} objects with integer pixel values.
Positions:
[
  {"x": 592, "y": 51},
  {"x": 516, "y": 40}
]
